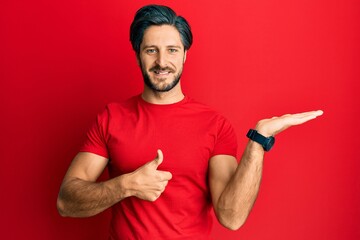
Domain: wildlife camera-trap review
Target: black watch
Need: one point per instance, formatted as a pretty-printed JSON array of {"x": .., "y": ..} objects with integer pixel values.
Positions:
[{"x": 266, "y": 142}]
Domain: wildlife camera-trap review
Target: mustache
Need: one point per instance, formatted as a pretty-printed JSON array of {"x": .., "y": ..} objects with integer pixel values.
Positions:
[{"x": 158, "y": 68}]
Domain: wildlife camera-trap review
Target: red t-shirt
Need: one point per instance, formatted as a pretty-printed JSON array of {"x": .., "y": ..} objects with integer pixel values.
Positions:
[{"x": 189, "y": 134}]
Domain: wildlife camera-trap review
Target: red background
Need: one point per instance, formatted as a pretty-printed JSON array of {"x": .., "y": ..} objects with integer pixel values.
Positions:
[{"x": 62, "y": 61}]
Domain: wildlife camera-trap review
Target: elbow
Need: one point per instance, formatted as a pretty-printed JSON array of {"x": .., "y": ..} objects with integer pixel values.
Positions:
[
  {"x": 61, "y": 207},
  {"x": 231, "y": 220},
  {"x": 66, "y": 208},
  {"x": 232, "y": 225}
]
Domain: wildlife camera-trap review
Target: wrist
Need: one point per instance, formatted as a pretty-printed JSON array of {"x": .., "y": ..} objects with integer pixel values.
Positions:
[
  {"x": 255, "y": 146},
  {"x": 254, "y": 152},
  {"x": 124, "y": 186},
  {"x": 266, "y": 142},
  {"x": 262, "y": 130}
]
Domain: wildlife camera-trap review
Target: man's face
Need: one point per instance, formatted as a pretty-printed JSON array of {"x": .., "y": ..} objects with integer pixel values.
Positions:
[{"x": 161, "y": 57}]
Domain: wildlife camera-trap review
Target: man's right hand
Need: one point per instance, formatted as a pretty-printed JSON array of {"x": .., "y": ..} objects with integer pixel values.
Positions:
[
  {"x": 147, "y": 182},
  {"x": 81, "y": 196}
]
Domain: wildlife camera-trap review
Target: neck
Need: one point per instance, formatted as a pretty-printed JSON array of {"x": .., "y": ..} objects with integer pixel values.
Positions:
[{"x": 173, "y": 96}]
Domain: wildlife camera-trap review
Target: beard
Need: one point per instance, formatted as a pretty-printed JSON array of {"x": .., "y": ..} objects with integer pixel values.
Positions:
[{"x": 160, "y": 87}]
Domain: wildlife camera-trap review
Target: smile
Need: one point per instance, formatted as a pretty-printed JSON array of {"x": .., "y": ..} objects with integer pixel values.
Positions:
[{"x": 161, "y": 72}]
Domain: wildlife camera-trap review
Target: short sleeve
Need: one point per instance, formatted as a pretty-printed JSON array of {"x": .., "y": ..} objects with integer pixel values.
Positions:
[
  {"x": 226, "y": 140},
  {"x": 97, "y": 135}
]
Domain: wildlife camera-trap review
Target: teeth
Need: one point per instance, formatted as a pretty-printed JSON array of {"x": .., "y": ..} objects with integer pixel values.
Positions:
[{"x": 161, "y": 73}]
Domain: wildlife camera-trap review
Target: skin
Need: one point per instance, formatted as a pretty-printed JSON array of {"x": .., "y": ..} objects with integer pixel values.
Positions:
[
  {"x": 234, "y": 187},
  {"x": 162, "y": 46}
]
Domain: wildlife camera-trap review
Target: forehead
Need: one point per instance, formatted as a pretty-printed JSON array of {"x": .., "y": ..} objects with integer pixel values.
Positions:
[{"x": 164, "y": 35}]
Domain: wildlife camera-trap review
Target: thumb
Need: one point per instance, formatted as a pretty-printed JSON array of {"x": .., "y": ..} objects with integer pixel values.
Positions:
[{"x": 159, "y": 158}]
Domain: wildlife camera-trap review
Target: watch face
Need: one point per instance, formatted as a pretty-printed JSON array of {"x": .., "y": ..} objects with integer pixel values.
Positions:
[{"x": 270, "y": 143}]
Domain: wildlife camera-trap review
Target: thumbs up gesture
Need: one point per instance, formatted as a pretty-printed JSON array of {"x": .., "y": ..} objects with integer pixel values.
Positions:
[{"x": 147, "y": 182}]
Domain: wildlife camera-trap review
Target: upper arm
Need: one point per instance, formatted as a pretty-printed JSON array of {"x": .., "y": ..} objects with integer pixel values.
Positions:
[
  {"x": 86, "y": 166},
  {"x": 221, "y": 169}
]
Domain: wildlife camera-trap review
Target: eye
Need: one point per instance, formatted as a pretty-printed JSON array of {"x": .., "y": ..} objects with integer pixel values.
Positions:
[
  {"x": 151, "y": 51},
  {"x": 173, "y": 50}
]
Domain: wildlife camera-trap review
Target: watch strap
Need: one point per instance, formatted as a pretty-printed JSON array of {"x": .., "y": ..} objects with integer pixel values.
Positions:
[{"x": 265, "y": 142}]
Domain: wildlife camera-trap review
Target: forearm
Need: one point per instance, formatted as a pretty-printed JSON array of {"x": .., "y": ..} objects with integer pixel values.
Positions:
[
  {"x": 235, "y": 198},
  {"x": 239, "y": 195},
  {"x": 80, "y": 198}
]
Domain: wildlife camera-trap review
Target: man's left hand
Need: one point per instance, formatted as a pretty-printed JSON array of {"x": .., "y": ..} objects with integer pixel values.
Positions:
[{"x": 275, "y": 125}]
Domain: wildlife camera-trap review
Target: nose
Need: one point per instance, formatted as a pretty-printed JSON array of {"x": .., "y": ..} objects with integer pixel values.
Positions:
[{"x": 161, "y": 59}]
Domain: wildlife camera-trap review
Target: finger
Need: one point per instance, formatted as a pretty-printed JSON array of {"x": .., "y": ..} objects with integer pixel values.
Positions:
[
  {"x": 312, "y": 113},
  {"x": 319, "y": 112},
  {"x": 162, "y": 186},
  {"x": 159, "y": 158},
  {"x": 164, "y": 175},
  {"x": 299, "y": 118}
]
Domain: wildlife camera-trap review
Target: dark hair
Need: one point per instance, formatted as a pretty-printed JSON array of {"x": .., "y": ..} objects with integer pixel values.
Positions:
[{"x": 158, "y": 15}]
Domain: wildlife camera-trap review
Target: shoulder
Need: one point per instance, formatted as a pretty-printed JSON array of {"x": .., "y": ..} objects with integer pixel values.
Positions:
[
  {"x": 116, "y": 109},
  {"x": 122, "y": 107},
  {"x": 124, "y": 104}
]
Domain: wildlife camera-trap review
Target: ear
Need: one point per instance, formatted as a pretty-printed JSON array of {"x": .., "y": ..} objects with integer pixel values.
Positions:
[{"x": 185, "y": 56}]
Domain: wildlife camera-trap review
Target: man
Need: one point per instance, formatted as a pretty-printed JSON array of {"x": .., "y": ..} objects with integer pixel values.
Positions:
[{"x": 171, "y": 160}]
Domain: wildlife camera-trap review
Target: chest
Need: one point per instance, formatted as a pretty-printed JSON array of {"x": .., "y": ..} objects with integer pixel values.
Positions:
[{"x": 187, "y": 142}]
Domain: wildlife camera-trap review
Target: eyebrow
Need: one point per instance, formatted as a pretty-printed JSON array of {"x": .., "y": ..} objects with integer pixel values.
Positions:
[
  {"x": 174, "y": 46},
  {"x": 169, "y": 46}
]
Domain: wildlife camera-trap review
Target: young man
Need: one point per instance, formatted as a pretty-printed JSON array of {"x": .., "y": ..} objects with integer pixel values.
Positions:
[{"x": 171, "y": 160}]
